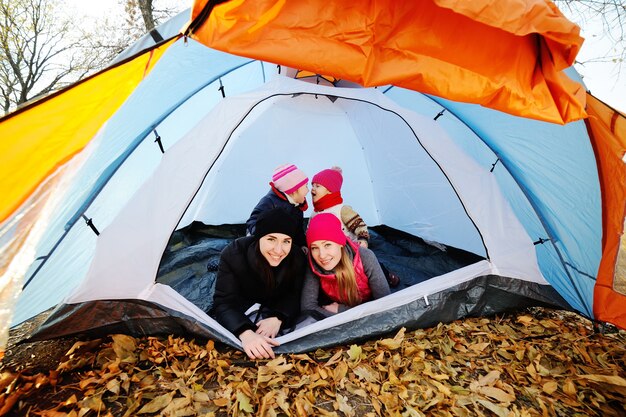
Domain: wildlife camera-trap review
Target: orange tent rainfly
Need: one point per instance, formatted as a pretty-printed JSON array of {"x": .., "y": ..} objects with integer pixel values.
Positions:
[{"x": 502, "y": 54}]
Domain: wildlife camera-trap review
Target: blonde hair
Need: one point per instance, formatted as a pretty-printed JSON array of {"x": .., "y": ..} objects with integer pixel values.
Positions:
[{"x": 346, "y": 280}]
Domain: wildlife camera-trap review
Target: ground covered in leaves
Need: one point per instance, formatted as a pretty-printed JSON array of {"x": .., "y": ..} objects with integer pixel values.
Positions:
[{"x": 535, "y": 363}]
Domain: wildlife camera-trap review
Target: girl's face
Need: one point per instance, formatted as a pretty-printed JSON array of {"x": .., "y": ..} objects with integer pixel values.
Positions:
[
  {"x": 326, "y": 254},
  {"x": 275, "y": 247},
  {"x": 300, "y": 194},
  {"x": 318, "y": 191}
]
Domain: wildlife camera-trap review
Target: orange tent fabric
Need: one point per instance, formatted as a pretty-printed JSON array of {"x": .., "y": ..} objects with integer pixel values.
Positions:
[
  {"x": 608, "y": 135},
  {"x": 54, "y": 129},
  {"x": 503, "y": 54}
]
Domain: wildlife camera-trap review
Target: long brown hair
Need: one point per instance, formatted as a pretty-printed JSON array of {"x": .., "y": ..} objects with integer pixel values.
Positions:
[{"x": 346, "y": 280}]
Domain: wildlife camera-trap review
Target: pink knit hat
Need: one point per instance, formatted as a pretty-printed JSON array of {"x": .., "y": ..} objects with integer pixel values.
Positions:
[
  {"x": 288, "y": 178},
  {"x": 329, "y": 178},
  {"x": 325, "y": 226}
]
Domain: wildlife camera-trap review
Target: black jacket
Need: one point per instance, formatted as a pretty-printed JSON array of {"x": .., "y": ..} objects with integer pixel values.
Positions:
[
  {"x": 272, "y": 200},
  {"x": 239, "y": 285}
]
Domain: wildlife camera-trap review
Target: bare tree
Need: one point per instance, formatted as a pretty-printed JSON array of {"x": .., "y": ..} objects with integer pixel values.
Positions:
[
  {"x": 145, "y": 6},
  {"x": 43, "y": 50},
  {"x": 612, "y": 15},
  {"x": 37, "y": 52},
  {"x": 145, "y": 15}
]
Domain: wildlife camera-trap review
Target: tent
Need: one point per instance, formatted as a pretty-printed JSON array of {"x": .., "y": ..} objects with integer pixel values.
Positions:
[{"x": 181, "y": 135}]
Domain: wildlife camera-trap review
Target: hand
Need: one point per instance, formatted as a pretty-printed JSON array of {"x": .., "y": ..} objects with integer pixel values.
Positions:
[
  {"x": 268, "y": 327},
  {"x": 333, "y": 308},
  {"x": 257, "y": 346},
  {"x": 363, "y": 243}
]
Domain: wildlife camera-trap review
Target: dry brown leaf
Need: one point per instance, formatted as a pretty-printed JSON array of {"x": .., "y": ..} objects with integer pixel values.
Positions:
[
  {"x": 81, "y": 346},
  {"x": 124, "y": 347},
  {"x": 89, "y": 381},
  {"x": 201, "y": 396},
  {"x": 495, "y": 393},
  {"x": 366, "y": 372},
  {"x": 390, "y": 344},
  {"x": 114, "y": 386},
  {"x": 532, "y": 372},
  {"x": 93, "y": 402},
  {"x": 395, "y": 343},
  {"x": 221, "y": 401},
  {"x": 549, "y": 387},
  {"x": 569, "y": 387},
  {"x": 498, "y": 410},
  {"x": 489, "y": 379},
  {"x": 282, "y": 401},
  {"x": 390, "y": 401},
  {"x": 478, "y": 347},
  {"x": 157, "y": 404},
  {"x": 176, "y": 404},
  {"x": 53, "y": 413},
  {"x": 344, "y": 406},
  {"x": 354, "y": 390},
  {"x": 377, "y": 406},
  {"x": 544, "y": 409},
  {"x": 609, "y": 379},
  {"x": 340, "y": 371},
  {"x": 444, "y": 389},
  {"x": 183, "y": 412},
  {"x": 334, "y": 359}
]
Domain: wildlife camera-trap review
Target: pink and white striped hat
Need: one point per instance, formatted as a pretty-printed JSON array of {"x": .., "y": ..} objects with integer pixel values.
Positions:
[{"x": 288, "y": 178}]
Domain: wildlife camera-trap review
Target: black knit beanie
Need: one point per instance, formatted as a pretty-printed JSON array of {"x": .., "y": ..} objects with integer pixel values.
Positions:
[{"x": 275, "y": 220}]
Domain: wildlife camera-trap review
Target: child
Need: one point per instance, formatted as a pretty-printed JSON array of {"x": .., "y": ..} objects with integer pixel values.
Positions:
[
  {"x": 326, "y": 195},
  {"x": 288, "y": 190}
]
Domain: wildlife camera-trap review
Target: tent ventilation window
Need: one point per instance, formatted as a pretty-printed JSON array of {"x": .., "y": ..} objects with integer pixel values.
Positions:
[
  {"x": 221, "y": 89},
  {"x": 89, "y": 223},
  {"x": 439, "y": 114},
  {"x": 493, "y": 166},
  {"x": 157, "y": 139}
]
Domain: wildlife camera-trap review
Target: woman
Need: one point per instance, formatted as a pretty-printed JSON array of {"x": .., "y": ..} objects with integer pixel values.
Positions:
[
  {"x": 261, "y": 268},
  {"x": 342, "y": 273}
]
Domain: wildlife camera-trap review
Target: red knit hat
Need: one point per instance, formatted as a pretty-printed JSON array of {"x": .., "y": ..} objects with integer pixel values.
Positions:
[
  {"x": 288, "y": 178},
  {"x": 325, "y": 226},
  {"x": 329, "y": 178}
]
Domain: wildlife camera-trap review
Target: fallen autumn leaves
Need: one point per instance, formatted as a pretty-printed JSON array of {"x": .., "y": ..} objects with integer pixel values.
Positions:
[{"x": 537, "y": 363}]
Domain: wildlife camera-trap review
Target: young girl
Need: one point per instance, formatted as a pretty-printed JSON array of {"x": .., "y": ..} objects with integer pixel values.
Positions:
[
  {"x": 342, "y": 274},
  {"x": 261, "y": 268},
  {"x": 288, "y": 190},
  {"x": 326, "y": 195}
]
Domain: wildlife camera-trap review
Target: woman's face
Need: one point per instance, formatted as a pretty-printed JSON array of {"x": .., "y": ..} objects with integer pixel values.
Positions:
[
  {"x": 275, "y": 247},
  {"x": 326, "y": 254}
]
